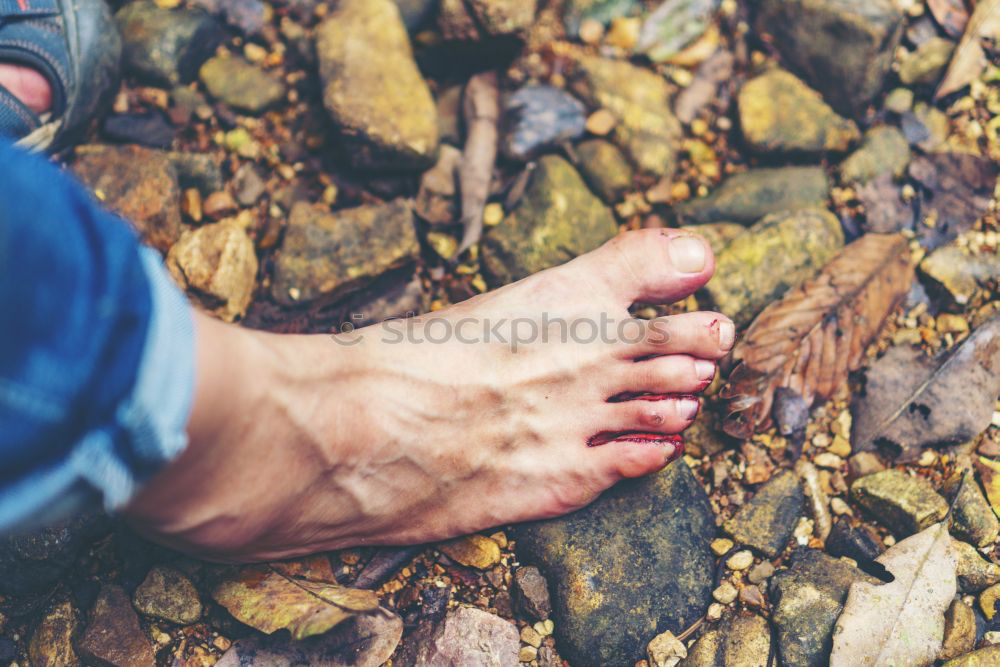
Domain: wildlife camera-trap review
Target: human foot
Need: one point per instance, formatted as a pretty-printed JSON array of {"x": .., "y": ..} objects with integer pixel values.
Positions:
[
  {"x": 28, "y": 85},
  {"x": 303, "y": 443}
]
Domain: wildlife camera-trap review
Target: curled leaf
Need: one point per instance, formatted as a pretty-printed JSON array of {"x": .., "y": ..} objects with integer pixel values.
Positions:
[
  {"x": 970, "y": 59},
  {"x": 817, "y": 333}
]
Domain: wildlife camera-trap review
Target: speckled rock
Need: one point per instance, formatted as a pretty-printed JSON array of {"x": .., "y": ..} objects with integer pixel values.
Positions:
[
  {"x": 113, "y": 636},
  {"x": 771, "y": 257},
  {"x": 605, "y": 169},
  {"x": 555, "y": 220},
  {"x": 166, "y": 46},
  {"x": 52, "y": 643},
  {"x": 883, "y": 149},
  {"x": 960, "y": 273},
  {"x": 139, "y": 184},
  {"x": 168, "y": 595},
  {"x": 475, "y": 19},
  {"x": 217, "y": 263},
  {"x": 925, "y": 65},
  {"x": 974, "y": 572},
  {"x": 606, "y": 563},
  {"x": 741, "y": 640},
  {"x": 766, "y": 522},
  {"x": 843, "y": 48},
  {"x": 808, "y": 598},
  {"x": 373, "y": 89},
  {"x": 536, "y": 117},
  {"x": 903, "y": 503},
  {"x": 984, "y": 657},
  {"x": 33, "y": 562},
  {"x": 780, "y": 114},
  {"x": 706, "y": 652},
  {"x": 647, "y": 129},
  {"x": 749, "y": 196},
  {"x": 327, "y": 255},
  {"x": 531, "y": 593},
  {"x": 241, "y": 85},
  {"x": 972, "y": 517},
  {"x": 959, "y": 631},
  {"x": 465, "y": 636}
]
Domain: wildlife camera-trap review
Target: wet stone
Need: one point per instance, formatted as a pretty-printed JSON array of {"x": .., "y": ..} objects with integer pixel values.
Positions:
[
  {"x": 476, "y": 19},
  {"x": 217, "y": 264},
  {"x": 605, "y": 169},
  {"x": 843, "y": 48},
  {"x": 959, "y": 273},
  {"x": 327, "y": 255},
  {"x": 665, "y": 650},
  {"x": 52, "y": 643},
  {"x": 926, "y": 65},
  {"x": 373, "y": 89},
  {"x": 197, "y": 170},
  {"x": 639, "y": 99},
  {"x": 113, "y": 636},
  {"x": 972, "y": 517},
  {"x": 605, "y": 565},
  {"x": 32, "y": 562},
  {"x": 766, "y": 522},
  {"x": 166, "y": 46},
  {"x": 749, "y": 196},
  {"x": 974, "y": 572},
  {"x": 531, "y": 593},
  {"x": 537, "y": 117},
  {"x": 556, "y": 206},
  {"x": 855, "y": 542},
  {"x": 139, "y": 184},
  {"x": 884, "y": 149},
  {"x": 771, "y": 257},
  {"x": 706, "y": 651},
  {"x": 147, "y": 129},
  {"x": 241, "y": 85},
  {"x": 465, "y": 636},
  {"x": 808, "y": 598},
  {"x": 780, "y": 114},
  {"x": 761, "y": 572},
  {"x": 959, "y": 631},
  {"x": 169, "y": 595},
  {"x": 905, "y": 504}
]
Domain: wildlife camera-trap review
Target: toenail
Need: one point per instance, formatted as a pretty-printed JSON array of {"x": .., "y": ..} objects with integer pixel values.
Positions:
[
  {"x": 705, "y": 370},
  {"x": 727, "y": 334},
  {"x": 687, "y": 408},
  {"x": 688, "y": 254},
  {"x": 673, "y": 451}
]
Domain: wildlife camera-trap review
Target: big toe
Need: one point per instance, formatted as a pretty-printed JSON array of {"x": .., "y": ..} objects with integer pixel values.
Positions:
[{"x": 653, "y": 265}]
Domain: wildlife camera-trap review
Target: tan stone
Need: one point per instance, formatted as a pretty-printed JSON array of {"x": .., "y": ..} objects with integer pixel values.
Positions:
[{"x": 472, "y": 551}]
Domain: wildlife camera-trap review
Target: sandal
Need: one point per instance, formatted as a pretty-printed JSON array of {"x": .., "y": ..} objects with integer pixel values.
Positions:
[{"x": 75, "y": 44}]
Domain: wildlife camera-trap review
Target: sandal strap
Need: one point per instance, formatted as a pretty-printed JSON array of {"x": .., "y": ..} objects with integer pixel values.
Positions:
[
  {"x": 23, "y": 8},
  {"x": 16, "y": 120},
  {"x": 38, "y": 41}
]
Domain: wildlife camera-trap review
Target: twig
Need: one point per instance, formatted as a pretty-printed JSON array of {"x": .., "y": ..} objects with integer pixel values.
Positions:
[
  {"x": 481, "y": 110},
  {"x": 384, "y": 564}
]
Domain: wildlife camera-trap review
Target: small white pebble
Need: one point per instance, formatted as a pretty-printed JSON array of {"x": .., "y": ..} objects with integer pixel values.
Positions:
[
  {"x": 714, "y": 612},
  {"x": 828, "y": 460},
  {"x": 725, "y": 593},
  {"x": 839, "y": 507},
  {"x": 740, "y": 560}
]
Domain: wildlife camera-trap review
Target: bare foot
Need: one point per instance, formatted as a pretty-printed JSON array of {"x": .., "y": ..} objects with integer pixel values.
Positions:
[
  {"x": 28, "y": 85},
  {"x": 309, "y": 443}
]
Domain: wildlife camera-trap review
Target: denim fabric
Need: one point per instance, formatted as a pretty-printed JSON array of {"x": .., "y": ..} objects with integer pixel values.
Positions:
[{"x": 96, "y": 350}]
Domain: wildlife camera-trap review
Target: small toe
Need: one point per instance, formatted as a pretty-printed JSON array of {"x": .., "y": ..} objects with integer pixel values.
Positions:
[
  {"x": 665, "y": 375},
  {"x": 630, "y": 457},
  {"x": 705, "y": 334},
  {"x": 650, "y": 414}
]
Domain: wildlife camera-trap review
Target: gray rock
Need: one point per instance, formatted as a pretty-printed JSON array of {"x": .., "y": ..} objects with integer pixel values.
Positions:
[
  {"x": 241, "y": 85},
  {"x": 465, "y": 636},
  {"x": 808, "y": 598},
  {"x": 113, "y": 636},
  {"x": 972, "y": 518},
  {"x": 766, "y": 522},
  {"x": 248, "y": 184},
  {"x": 536, "y": 117},
  {"x": 607, "y": 565},
  {"x": 884, "y": 149},
  {"x": 531, "y": 593},
  {"x": 169, "y": 595},
  {"x": 749, "y": 196},
  {"x": 166, "y": 46},
  {"x": 974, "y": 572},
  {"x": 556, "y": 206},
  {"x": 373, "y": 89},
  {"x": 605, "y": 169},
  {"x": 365, "y": 641},
  {"x": 905, "y": 504},
  {"x": 843, "y": 48},
  {"x": 327, "y": 255}
]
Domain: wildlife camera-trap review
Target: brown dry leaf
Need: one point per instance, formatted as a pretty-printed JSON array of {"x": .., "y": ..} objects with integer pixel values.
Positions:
[
  {"x": 912, "y": 401},
  {"x": 951, "y": 15},
  {"x": 268, "y": 600},
  {"x": 970, "y": 59},
  {"x": 956, "y": 189},
  {"x": 817, "y": 333},
  {"x": 902, "y": 622}
]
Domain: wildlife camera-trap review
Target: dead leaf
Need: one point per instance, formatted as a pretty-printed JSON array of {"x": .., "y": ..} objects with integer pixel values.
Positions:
[
  {"x": 885, "y": 210},
  {"x": 913, "y": 401},
  {"x": 951, "y": 15},
  {"x": 481, "y": 109},
  {"x": 268, "y": 600},
  {"x": 902, "y": 622},
  {"x": 970, "y": 59},
  {"x": 707, "y": 78},
  {"x": 956, "y": 191},
  {"x": 817, "y": 333}
]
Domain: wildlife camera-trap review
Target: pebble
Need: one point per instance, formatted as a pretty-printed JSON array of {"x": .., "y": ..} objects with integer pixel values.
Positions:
[
  {"x": 768, "y": 520},
  {"x": 248, "y": 184},
  {"x": 537, "y": 117},
  {"x": 984, "y": 657},
  {"x": 530, "y": 636},
  {"x": 925, "y": 65},
  {"x": 751, "y": 595},
  {"x": 761, "y": 572},
  {"x": 605, "y": 169},
  {"x": 987, "y": 601},
  {"x": 113, "y": 636},
  {"x": 147, "y": 129},
  {"x": 884, "y": 150},
  {"x": 828, "y": 460},
  {"x": 958, "y": 272},
  {"x": 725, "y": 593},
  {"x": 665, "y": 650},
  {"x": 714, "y": 611},
  {"x": 722, "y": 545},
  {"x": 904, "y": 503},
  {"x": 858, "y": 543},
  {"x": 840, "y": 446},
  {"x": 51, "y": 644},
  {"x": 959, "y": 631},
  {"x": 899, "y": 100},
  {"x": 219, "y": 205},
  {"x": 241, "y": 85},
  {"x": 839, "y": 507},
  {"x": 169, "y": 595},
  {"x": 740, "y": 560},
  {"x": 863, "y": 464},
  {"x": 472, "y": 551},
  {"x": 601, "y": 122},
  {"x": 973, "y": 571}
]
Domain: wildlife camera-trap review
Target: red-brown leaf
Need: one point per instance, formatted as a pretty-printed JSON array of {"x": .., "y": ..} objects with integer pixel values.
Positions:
[{"x": 817, "y": 333}]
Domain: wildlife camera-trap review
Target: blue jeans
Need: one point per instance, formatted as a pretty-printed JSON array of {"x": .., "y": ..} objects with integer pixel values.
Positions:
[{"x": 96, "y": 351}]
